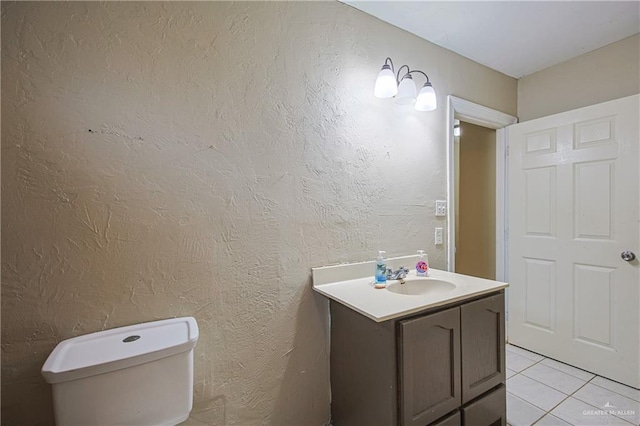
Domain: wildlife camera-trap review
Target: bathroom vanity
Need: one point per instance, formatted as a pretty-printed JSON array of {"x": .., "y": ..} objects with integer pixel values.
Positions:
[{"x": 420, "y": 353}]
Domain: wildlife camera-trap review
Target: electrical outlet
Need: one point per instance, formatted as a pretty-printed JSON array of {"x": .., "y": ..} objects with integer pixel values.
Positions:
[
  {"x": 441, "y": 208},
  {"x": 439, "y": 237}
]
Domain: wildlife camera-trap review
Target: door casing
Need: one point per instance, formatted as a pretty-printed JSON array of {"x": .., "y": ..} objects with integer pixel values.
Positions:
[{"x": 461, "y": 109}]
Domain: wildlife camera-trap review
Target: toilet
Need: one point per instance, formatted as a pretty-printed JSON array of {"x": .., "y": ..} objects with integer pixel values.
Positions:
[{"x": 136, "y": 375}]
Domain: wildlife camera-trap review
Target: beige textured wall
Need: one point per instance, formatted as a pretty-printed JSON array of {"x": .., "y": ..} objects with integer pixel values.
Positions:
[
  {"x": 608, "y": 73},
  {"x": 172, "y": 159},
  {"x": 476, "y": 211}
]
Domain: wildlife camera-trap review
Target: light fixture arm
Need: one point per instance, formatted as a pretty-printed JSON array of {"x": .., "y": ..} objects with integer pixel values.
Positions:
[
  {"x": 425, "y": 75},
  {"x": 391, "y": 62},
  {"x": 404, "y": 75}
]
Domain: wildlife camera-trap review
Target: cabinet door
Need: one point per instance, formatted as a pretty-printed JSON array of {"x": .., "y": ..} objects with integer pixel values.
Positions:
[
  {"x": 490, "y": 410},
  {"x": 429, "y": 355},
  {"x": 483, "y": 346}
]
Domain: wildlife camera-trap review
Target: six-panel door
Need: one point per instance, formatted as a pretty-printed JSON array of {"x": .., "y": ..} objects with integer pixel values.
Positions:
[
  {"x": 429, "y": 356},
  {"x": 573, "y": 210}
]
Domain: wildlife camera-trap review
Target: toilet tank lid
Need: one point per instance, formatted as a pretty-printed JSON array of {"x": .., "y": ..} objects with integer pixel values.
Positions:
[{"x": 119, "y": 348}]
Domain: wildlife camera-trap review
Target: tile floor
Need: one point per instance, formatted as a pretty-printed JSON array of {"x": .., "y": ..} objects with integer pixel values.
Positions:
[{"x": 544, "y": 392}]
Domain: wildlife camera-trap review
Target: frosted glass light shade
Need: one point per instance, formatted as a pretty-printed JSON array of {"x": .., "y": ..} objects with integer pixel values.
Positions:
[
  {"x": 407, "y": 91},
  {"x": 386, "y": 86},
  {"x": 426, "y": 98}
]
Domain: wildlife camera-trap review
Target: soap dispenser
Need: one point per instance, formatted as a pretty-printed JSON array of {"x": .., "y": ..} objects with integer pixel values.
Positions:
[
  {"x": 381, "y": 270},
  {"x": 422, "y": 267}
]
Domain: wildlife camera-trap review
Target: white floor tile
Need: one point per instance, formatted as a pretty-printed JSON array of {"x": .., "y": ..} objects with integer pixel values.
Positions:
[
  {"x": 579, "y": 413},
  {"x": 550, "y": 420},
  {"x": 517, "y": 362},
  {"x": 542, "y": 396},
  {"x": 556, "y": 379},
  {"x": 614, "y": 403},
  {"x": 521, "y": 413},
  {"x": 616, "y": 387},
  {"x": 575, "y": 372},
  {"x": 525, "y": 353},
  {"x": 510, "y": 373}
]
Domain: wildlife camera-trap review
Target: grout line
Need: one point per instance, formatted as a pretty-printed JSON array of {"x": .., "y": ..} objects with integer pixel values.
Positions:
[
  {"x": 535, "y": 363},
  {"x": 546, "y": 357},
  {"x": 617, "y": 382},
  {"x": 518, "y": 372},
  {"x": 569, "y": 365},
  {"x": 567, "y": 397},
  {"x": 555, "y": 406},
  {"x": 555, "y": 417},
  {"x": 559, "y": 371},
  {"x": 551, "y": 387},
  {"x": 544, "y": 384},
  {"x": 600, "y": 408},
  {"x": 527, "y": 350},
  {"x": 612, "y": 391},
  {"x": 557, "y": 390},
  {"x": 585, "y": 384},
  {"x": 527, "y": 402}
]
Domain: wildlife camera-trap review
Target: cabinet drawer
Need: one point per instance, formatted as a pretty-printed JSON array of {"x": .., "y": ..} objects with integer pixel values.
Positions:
[
  {"x": 490, "y": 410},
  {"x": 483, "y": 346},
  {"x": 429, "y": 374},
  {"x": 453, "y": 420}
]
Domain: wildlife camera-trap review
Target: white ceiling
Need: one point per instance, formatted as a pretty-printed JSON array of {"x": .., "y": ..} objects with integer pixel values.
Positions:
[{"x": 514, "y": 37}]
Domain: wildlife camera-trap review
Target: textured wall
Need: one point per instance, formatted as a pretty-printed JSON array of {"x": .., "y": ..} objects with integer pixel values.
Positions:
[
  {"x": 170, "y": 159},
  {"x": 608, "y": 73}
]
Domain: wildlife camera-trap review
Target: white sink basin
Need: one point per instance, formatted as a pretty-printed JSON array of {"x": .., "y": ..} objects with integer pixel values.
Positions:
[{"x": 419, "y": 286}]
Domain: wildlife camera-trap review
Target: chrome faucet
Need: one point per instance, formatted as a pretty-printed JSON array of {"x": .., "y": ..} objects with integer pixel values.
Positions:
[{"x": 400, "y": 274}]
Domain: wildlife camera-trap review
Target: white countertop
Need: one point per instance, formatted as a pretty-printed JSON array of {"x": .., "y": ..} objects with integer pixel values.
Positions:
[{"x": 352, "y": 285}]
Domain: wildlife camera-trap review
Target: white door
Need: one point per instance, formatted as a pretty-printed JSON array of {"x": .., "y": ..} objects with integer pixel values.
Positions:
[{"x": 573, "y": 209}]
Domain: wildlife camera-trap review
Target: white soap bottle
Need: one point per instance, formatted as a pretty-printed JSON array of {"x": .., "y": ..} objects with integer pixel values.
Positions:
[{"x": 422, "y": 267}]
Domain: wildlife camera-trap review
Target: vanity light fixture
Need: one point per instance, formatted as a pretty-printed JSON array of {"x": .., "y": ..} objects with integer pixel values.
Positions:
[{"x": 389, "y": 84}]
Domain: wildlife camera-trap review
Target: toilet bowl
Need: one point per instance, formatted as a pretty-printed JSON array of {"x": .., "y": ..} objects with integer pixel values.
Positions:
[{"x": 136, "y": 375}]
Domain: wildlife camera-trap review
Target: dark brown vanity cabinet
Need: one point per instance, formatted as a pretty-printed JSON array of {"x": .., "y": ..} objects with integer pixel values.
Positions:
[{"x": 441, "y": 367}]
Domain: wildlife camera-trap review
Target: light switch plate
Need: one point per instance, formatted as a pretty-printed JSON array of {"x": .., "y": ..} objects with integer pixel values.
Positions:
[
  {"x": 439, "y": 237},
  {"x": 441, "y": 207}
]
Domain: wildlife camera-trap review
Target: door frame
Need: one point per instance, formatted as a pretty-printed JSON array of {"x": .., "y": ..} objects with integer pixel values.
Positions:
[{"x": 461, "y": 109}]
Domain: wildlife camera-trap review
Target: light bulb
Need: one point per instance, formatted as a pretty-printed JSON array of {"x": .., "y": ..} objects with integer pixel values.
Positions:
[
  {"x": 406, "y": 91},
  {"x": 386, "y": 86},
  {"x": 426, "y": 98}
]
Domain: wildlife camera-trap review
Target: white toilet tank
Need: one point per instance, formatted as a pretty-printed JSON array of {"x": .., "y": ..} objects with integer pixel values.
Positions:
[{"x": 136, "y": 375}]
